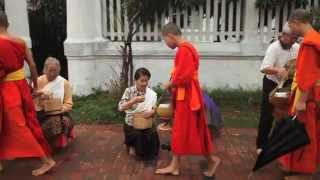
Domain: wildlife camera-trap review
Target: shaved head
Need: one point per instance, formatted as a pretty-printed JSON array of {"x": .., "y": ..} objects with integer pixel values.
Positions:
[
  {"x": 301, "y": 15},
  {"x": 171, "y": 28}
]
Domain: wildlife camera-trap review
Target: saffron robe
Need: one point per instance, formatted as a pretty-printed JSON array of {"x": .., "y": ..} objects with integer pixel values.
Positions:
[
  {"x": 190, "y": 133},
  {"x": 306, "y": 159},
  {"x": 21, "y": 135}
]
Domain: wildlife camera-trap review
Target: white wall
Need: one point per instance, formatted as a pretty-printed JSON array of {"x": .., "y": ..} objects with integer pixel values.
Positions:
[
  {"x": 18, "y": 19},
  {"x": 90, "y": 55},
  {"x": 218, "y": 69}
]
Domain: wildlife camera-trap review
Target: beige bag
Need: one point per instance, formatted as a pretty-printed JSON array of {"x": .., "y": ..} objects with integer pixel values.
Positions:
[{"x": 139, "y": 122}]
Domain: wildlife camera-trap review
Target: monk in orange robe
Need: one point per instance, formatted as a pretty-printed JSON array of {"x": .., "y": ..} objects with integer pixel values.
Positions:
[
  {"x": 306, "y": 95},
  {"x": 190, "y": 133},
  {"x": 20, "y": 133}
]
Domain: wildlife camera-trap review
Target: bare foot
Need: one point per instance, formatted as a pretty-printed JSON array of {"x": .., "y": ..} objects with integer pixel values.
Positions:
[
  {"x": 168, "y": 171},
  {"x": 212, "y": 166},
  {"x": 132, "y": 151},
  {"x": 298, "y": 177},
  {"x": 284, "y": 169},
  {"x": 46, "y": 167},
  {"x": 259, "y": 151},
  {"x": 165, "y": 127},
  {"x": 1, "y": 167}
]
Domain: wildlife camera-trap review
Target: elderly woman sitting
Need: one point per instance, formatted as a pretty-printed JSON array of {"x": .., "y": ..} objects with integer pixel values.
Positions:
[{"x": 53, "y": 103}]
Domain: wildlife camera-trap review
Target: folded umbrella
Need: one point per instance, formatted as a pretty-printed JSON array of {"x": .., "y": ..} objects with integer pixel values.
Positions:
[{"x": 288, "y": 135}]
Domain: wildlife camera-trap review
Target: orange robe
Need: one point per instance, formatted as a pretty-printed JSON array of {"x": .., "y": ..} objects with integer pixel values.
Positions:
[
  {"x": 190, "y": 134},
  {"x": 306, "y": 159},
  {"x": 21, "y": 135}
]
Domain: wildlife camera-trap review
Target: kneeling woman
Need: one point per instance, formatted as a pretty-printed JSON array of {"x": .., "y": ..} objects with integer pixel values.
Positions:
[
  {"x": 139, "y": 99},
  {"x": 53, "y": 105}
]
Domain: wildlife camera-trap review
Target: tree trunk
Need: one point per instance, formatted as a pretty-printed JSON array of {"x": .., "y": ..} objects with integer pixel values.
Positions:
[
  {"x": 124, "y": 71},
  {"x": 130, "y": 63}
]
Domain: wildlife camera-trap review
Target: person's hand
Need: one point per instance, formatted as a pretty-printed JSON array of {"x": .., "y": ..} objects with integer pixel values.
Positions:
[
  {"x": 282, "y": 73},
  {"x": 301, "y": 107},
  {"x": 37, "y": 92},
  {"x": 138, "y": 99},
  {"x": 148, "y": 114},
  {"x": 166, "y": 86}
]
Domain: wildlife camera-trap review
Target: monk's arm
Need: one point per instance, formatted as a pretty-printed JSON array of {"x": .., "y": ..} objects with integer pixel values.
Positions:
[
  {"x": 67, "y": 101},
  {"x": 184, "y": 68},
  {"x": 33, "y": 68},
  {"x": 2, "y": 72},
  {"x": 308, "y": 72}
]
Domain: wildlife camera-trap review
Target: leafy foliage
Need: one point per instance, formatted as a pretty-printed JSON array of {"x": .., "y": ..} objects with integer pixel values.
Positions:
[
  {"x": 316, "y": 18},
  {"x": 240, "y": 108},
  {"x": 141, "y": 12},
  {"x": 2, "y": 5},
  {"x": 273, "y": 3},
  {"x": 100, "y": 107}
]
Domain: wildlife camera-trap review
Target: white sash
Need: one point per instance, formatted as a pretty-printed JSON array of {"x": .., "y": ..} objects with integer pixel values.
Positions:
[
  {"x": 149, "y": 102},
  {"x": 56, "y": 87}
]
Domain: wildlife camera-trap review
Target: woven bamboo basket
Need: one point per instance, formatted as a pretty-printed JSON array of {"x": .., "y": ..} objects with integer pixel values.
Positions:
[
  {"x": 291, "y": 68},
  {"x": 164, "y": 111},
  {"x": 279, "y": 98},
  {"x": 52, "y": 105},
  {"x": 139, "y": 122}
]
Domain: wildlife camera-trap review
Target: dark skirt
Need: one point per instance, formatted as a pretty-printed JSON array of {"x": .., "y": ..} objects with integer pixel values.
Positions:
[
  {"x": 145, "y": 142},
  {"x": 59, "y": 133}
]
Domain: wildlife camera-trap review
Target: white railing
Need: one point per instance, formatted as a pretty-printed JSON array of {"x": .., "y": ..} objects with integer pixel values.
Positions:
[
  {"x": 214, "y": 21},
  {"x": 271, "y": 21}
]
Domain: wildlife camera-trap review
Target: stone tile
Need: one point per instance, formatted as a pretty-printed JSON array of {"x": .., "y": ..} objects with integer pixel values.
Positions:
[{"x": 98, "y": 153}]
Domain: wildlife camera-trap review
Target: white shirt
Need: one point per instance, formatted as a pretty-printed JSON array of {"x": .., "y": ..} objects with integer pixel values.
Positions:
[{"x": 276, "y": 56}]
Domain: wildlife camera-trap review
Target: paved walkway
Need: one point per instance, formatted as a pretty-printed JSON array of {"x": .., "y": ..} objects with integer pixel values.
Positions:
[{"x": 98, "y": 153}]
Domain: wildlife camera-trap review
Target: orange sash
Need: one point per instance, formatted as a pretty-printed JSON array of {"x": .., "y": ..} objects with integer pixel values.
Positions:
[
  {"x": 181, "y": 92},
  {"x": 15, "y": 76}
]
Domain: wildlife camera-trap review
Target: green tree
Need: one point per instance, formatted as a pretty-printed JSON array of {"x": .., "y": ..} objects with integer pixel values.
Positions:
[
  {"x": 274, "y": 3},
  {"x": 2, "y": 5},
  {"x": 316, "y": 18},
  {"x": 140, "y": 12}
]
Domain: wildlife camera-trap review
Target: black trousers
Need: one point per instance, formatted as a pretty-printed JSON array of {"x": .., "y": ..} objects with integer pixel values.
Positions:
[
  {"x": 145, "y": 142},
  {"x": 266, "y": 117}
]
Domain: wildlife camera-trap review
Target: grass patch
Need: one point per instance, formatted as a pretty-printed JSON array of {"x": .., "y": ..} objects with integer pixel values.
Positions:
[
  {"x": 240, "y": 108},
  {"x": 97, "y": 108}
]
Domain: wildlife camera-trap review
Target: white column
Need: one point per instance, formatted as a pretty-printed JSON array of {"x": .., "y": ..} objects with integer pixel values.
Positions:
[
  {"x": 18, "y": 18},
  {"x": 84, "y": 27},
  {"x": 251, "y": 44},
  {"x": 85, "y": 45}
]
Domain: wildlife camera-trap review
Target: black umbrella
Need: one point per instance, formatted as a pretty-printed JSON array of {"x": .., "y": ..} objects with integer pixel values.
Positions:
[{"x": 288, "y": 135}]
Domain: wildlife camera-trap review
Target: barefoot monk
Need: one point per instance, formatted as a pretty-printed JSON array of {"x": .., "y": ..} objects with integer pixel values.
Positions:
[
  {"x": 20, "y": 134},
  {"x": 190, "y": 133}
]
